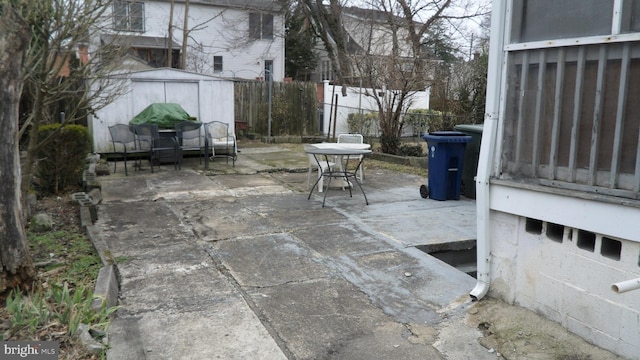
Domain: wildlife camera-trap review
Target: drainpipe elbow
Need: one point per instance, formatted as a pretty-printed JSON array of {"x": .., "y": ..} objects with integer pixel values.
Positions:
[{"x": 481, "y": 289}]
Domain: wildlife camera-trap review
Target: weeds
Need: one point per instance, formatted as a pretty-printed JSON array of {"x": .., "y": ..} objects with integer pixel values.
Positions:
[
  {"x": 52, "y": 312},
  {"x": 60, "y": 299}
]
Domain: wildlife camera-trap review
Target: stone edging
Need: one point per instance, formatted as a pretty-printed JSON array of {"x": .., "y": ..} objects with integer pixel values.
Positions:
[{"x": 107, "y": 285}]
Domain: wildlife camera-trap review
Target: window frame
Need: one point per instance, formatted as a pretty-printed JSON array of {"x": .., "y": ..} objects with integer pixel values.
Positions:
[
  {"x": 220, "y": 68},
  {"x": 268, "y": 70},
  {"x": 261, "y": 26},
  {"x": 129, "y": 16}
]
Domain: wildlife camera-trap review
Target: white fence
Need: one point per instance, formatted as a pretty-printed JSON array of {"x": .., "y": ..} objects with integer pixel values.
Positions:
[{"x": 336, "y": 113}]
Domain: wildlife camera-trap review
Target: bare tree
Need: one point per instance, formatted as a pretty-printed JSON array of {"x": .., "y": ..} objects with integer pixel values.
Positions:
[
  {"x": 60, "y": 75},
  {"x": 185, "y": 36},
  {"x": 14, "y": 256},
  {"x": 327, "y": 25},
  {"x": 382, "y": 45},
  {"x": 57, "y": 74},
  {"x": 170, "y": 35}
]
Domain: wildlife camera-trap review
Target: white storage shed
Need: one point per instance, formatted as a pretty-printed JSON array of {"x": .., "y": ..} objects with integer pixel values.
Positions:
[{"x": 205, "y": 97}]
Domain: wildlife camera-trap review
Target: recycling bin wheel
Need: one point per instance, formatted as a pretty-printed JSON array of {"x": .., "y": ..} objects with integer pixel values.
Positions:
[{"x": 424, "y": 191}]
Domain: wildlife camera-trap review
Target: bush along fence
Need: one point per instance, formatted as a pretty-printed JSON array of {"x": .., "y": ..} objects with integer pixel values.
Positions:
[{"x": 416, "y": 122}]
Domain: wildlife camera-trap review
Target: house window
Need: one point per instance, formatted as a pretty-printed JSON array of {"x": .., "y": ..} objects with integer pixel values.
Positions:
[
  {"x": 260, "y": 26},
  {"x": 217, "y": 64},
  {"x": 268, "y": 70},
  {"x": 128, "y": 16}
]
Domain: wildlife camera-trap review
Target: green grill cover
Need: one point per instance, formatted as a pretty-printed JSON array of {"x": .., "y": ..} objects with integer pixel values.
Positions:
[{"x": 163, "y": 115}]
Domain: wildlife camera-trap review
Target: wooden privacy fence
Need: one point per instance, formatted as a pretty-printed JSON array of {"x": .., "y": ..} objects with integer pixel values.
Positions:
[{"x": 294, "y": 107}]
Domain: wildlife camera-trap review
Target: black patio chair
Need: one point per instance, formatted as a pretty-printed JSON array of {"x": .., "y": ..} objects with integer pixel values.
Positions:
[
  {"x": 122, "y": 134},
  {"x": 161, "y": 148},
  {"x": 189, "y": 138}
]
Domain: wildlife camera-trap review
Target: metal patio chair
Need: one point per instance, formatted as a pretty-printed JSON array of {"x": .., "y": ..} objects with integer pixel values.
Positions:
[
  {"x": 123, "y": 135},
  {"x": 322, "y": 165},
  {"x": 161, "y": 148},
  {"x": 219, "y": 142},
  {"x": 189, "y": 138},
  {"x": 354, "y": 139}
]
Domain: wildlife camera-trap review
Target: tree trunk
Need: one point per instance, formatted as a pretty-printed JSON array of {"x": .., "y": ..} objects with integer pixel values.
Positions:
[
  {"x": 328, "y": 26},
  {"x": 170, "y": 36},
  {"x": 185, "y": 36},
  {"x": 15, "y": 260}
]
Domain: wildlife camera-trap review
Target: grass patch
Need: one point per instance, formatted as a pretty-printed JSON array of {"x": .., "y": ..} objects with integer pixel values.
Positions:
[
  {"x": 60, "y": 298},
  {"x": 370, "y": 163},
  {"x": 66, "y": 249},
  {"x": 378, "y": 164}
]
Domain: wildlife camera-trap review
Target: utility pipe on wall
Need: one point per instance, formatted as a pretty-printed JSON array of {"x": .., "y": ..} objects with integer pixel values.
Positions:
[
  {"x": 488, "y": 148},
  {"x": 624, "y": 286}
]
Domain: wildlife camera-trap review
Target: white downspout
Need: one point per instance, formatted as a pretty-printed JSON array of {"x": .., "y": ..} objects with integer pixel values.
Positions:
[{"x": 488, "y": 147}]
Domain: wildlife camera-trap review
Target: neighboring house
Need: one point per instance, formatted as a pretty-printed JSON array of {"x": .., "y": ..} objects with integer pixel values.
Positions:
[
  {"x": 558, "y": 182},
  {"x": 368, "y": 33},
  {"x": 240, "y": 39}
]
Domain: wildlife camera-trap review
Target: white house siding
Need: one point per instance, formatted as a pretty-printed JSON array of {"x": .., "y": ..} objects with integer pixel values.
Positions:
[
  {"x": 218, "y": 30},
  {"x": 204, "y": 97},
  {"x": 556, "y": 245}
]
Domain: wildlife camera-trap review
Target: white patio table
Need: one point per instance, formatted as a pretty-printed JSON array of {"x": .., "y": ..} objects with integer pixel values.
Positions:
[{"x": 340, "y": 151}]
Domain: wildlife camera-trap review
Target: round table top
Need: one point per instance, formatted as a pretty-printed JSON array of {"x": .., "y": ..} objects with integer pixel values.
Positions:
[
  {"x": 336, "y": 151},
  {"x": 328, "y": 145}
]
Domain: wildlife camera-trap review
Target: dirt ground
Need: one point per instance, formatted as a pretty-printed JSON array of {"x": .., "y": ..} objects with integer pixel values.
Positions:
[{"x": 516, "y": 333}]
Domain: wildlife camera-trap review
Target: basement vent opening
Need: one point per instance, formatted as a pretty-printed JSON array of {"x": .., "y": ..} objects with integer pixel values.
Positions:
[
  {"x": 611, "y": 248},
  {"x": 533, "y": 226},
  {"x": 555, "y": 232},
  {"x": 586, "y": 240}
]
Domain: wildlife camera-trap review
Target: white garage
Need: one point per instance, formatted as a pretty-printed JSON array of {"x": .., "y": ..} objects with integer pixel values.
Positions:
[{"x": 205, "y": 97}]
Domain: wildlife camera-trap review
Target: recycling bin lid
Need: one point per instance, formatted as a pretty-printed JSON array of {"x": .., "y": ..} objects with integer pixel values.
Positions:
[
  {"x": 470, "y": 128},
  {"x": 446, "y": 136}
]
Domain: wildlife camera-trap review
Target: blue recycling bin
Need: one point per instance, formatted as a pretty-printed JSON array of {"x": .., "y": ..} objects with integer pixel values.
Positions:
[{"x": 446, "y": 161}]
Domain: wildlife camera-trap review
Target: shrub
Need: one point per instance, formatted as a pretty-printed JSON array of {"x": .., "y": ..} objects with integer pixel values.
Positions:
[
  {"x": 390, "y": 144},
  {"x": 61, "y": 158},
  {"x": 361, "y": 123},
  {"x": 426, "y": 120},
  {"x": 418, "y": 119},
  {"x": 410, "y": 150}
]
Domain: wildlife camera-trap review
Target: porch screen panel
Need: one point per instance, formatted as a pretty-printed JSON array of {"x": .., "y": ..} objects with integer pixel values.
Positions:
[
  {"x": 557, "y": 19},
  {"x": 572, "y": 115},
  {"x": 635, "y": 16},
  {"x": 631, "y": 122}
]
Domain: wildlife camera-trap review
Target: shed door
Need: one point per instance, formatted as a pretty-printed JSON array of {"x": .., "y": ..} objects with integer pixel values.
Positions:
[{"x": 184, "y": 93}]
